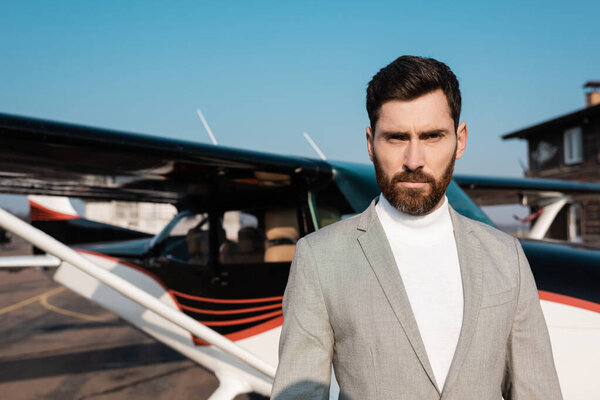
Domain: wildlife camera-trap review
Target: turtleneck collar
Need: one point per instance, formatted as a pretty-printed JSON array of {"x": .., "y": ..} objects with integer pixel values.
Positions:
[{"x": 389, "y": 214}]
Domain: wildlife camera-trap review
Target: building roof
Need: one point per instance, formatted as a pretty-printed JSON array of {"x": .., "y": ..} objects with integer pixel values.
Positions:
[
  {"x": 573, "y": 117},
  {"x": 592, "y": 84}
]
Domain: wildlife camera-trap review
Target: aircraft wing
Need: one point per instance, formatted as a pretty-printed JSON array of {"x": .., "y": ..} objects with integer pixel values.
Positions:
[
  {"x": 495, "y": 190},
  {"x": 53, "y": 158}
]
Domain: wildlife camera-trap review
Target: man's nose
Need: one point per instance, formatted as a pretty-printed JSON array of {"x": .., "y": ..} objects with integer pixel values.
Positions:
[{"x": 414, "y": 156}]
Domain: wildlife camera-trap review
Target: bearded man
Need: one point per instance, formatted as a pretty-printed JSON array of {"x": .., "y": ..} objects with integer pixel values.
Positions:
[{"x": 410, "y": 300}]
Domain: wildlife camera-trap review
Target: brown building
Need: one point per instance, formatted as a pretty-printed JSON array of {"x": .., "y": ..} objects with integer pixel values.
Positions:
[{"x": 568, "y": 147}]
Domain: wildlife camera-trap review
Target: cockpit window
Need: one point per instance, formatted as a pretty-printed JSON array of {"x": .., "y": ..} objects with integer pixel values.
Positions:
[
  {"x": 241, "y": 236},
  {"x": 192, "y": 221},
  {"x": 259, "y": 236},
  {"x": 244, "y": 239}
]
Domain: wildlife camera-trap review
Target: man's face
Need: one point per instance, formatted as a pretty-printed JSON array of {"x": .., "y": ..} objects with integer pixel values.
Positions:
[{"x": 413, "y": 148}]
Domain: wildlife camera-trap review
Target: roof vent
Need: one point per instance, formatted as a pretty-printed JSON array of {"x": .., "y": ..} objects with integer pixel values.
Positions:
[{"x": 592, "y": 93}]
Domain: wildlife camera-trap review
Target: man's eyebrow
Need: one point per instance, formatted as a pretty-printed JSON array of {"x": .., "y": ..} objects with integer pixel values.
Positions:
[
  {"x": 434, "y": 132},
  {"x": 394, "y": 133}
]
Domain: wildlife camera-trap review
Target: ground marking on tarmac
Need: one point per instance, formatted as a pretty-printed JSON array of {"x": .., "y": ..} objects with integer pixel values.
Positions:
[
  {"x": 50, "y": 307},
  {"x": 30, "y": 300},
  {"x": 43, "y": 299}
]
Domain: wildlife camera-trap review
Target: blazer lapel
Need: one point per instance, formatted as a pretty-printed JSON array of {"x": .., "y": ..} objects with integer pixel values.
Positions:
[
  {"x": 376, "y": 247},
  {"x": 469, "y": 256}
]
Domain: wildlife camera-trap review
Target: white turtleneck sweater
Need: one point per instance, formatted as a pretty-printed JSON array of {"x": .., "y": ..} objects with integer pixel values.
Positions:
[{"x": 425, "y": 252}]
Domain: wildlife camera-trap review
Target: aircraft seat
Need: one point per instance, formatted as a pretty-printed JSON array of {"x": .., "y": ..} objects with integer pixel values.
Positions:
[
  {"x": 281, "y": 231},
  {"x": 281, "y": 244},
  {"x": 249, "y": 248}
]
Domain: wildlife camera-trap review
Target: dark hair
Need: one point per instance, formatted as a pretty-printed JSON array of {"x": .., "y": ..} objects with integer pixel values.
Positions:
[{"x": 409, "y": 77}]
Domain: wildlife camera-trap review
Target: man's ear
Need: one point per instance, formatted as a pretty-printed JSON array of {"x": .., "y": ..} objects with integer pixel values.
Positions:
[
  {"x": 461, "y": 139},
  {"x": 370, "y": 142}
]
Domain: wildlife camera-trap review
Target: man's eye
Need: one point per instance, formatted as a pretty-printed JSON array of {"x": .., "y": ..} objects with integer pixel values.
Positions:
[{"x": 433, "y": 136}]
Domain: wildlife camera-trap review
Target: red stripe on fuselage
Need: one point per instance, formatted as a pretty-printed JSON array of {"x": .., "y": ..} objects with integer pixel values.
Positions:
[
  {"x": 228, "y": 312},
  {"x": 568, "y": 300},
  {"x": 242, "y": 320},
  {"x": 227, "y": 301}
]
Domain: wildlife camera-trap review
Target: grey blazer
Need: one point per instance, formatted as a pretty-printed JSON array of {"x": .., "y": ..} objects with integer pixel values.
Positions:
[{"x": 345, "y": 304}]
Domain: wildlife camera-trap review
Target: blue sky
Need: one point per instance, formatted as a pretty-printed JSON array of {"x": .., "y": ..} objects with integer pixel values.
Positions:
[{"x": 263, "y": 72}]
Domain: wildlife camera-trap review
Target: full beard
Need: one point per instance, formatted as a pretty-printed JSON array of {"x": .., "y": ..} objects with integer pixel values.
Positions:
[{"x": 413, "y": 201}]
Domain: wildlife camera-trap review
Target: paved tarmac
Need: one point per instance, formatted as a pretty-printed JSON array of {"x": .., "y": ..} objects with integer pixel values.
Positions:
[{"x": 55, "y": 344}]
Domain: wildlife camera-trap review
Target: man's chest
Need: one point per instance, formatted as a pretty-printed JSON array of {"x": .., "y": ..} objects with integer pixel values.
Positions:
[{"x": 365, "y": 305}]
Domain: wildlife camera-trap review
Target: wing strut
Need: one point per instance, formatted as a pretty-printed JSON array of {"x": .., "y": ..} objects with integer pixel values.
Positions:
[
  {"x": 550, "y": 211},
  {"x": 29, "y": 261}
]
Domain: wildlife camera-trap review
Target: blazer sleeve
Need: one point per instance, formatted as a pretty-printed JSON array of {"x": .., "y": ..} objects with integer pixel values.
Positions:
[
  {"x": 306, "y": 343},
  {"x": 529, "y": 371}
]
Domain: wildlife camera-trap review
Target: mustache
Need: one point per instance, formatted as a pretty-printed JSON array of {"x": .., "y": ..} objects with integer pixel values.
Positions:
[{"x": 413, "y": 176}]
